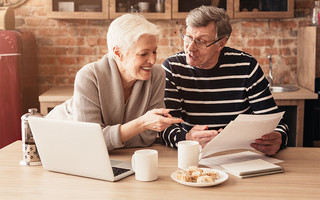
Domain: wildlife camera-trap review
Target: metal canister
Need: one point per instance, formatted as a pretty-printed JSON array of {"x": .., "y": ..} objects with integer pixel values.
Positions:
[{"x": 30, "y": 155}]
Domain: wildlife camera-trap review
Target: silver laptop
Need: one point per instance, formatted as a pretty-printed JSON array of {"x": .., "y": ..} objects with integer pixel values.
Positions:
[{"x": 76, "y": 148}]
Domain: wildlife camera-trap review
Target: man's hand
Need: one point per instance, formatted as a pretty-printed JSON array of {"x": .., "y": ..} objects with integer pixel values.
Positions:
[
  {"x": 201, "y": 134},
  {"x": 268, "y": 144}
]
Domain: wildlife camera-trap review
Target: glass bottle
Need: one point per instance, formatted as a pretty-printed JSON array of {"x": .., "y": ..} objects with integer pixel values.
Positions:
[
  {"x": 159, "y": 6},
  {"x": 315, "y": 13}
]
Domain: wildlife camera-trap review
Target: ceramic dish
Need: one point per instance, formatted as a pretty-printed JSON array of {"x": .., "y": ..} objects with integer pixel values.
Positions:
[{"x": 223, "y": 177}]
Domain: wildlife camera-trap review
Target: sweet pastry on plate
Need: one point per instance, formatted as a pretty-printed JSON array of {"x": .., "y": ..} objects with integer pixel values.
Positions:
[
  {"x": 205, "y": 179},
  {"x": 196, "y": 175}
]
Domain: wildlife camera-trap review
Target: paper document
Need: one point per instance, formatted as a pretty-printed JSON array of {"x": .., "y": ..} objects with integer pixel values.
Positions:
[{"x": 241, "y": 132}]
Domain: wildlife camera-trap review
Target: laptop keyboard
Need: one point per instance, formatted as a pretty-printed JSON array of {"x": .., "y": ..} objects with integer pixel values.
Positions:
[{"x": 117, "y": 171}]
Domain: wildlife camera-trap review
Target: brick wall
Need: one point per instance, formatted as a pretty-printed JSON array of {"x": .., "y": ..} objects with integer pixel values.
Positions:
[{"x": 64, "y": 46}]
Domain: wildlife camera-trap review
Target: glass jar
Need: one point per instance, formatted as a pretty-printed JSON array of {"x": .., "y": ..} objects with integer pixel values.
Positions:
[{"x": 30, "y": 154}]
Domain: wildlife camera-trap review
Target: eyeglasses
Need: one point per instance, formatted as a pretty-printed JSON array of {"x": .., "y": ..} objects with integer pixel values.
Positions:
[{"x": 200, "y": 44}]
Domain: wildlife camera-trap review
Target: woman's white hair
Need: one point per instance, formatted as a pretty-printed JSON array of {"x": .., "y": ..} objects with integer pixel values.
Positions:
[{"x": 124, "y": 31}]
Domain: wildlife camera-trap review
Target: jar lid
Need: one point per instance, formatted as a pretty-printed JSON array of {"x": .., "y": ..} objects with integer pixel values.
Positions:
[{"x": 31, "y": 112}]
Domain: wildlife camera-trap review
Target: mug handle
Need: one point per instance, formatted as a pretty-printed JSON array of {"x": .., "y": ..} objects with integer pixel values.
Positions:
[
  {"x": 200, "y": 149},
  {"x": 133, "y": 162}
]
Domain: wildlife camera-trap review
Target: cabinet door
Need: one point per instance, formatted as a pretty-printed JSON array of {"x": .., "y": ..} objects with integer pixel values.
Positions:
[
  {"x": 77, "y": 9},
  {"x": 153, "y": 9},
  {"x": 180, "y": 8},
  {"x": 263, "y": 8}
]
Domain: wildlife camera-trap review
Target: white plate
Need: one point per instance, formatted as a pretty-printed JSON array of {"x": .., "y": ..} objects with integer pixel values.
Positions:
[{"x": 223, "y": 177}]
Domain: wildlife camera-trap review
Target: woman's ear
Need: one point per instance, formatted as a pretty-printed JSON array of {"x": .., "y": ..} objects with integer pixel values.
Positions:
[{"x": 117, "y": 52}]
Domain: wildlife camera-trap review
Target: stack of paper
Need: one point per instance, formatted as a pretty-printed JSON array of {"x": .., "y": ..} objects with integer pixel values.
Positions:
[
  {"x": 241, "y": 132},
  {"x": 257, "y": 167}
]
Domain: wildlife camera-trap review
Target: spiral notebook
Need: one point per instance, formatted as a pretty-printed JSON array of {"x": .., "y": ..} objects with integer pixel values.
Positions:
[{"x": 251, "y": 168}]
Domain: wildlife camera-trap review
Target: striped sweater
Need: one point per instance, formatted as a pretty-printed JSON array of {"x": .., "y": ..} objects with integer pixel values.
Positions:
[{"x": 214, "y": 97}]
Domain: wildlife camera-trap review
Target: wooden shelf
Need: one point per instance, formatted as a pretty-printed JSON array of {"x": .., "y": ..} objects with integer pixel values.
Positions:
[
  {"x": 264, "y": 14},
  {"x": 151, "y": 15},
  {"x": 171, "y": 10},
  {"x": 104, "y": 14},
  {"x": 176, "y": 14}
]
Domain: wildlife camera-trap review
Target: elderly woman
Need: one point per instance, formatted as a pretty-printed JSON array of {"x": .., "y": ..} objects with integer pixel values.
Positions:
[{"x": 124, "y": 90}]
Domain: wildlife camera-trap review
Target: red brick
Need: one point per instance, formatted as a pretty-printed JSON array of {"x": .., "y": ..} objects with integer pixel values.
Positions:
[
  {"x": 259, "y": 24},
  {"x": 44, "y": 41},
  {"x": 46, "y": 60},
  {"x": 256, "y": 42},
  {"x": 287, "y": 41},
  {"x": 46, "y": 70},
  {"x": 72, "y": 70},
  {"x": 80, "y": 42},
  {"x": 290, "y": 60},
  {"x": 174, "y": 32},
  {"x": 62, "y": 80},
  {"x": 65, "y": 41},
  {"x": 19, "y": 22},
  {"x": 163, "y": 42},
  {"x": 88, "y": 32},
  {"x": 102, "y": 42},
  {"x": 92, "y": 42},
  {"x": 269, "y": 42},
  {"x": 46, "y": 80},
  {"x": 248, "y": 50},
  {"x": 63, "y": 51},
  {"x": 103, "y": 51},
  {"x": 45, "y": 51},
  {"x": 67, "y": 60},
  {"x": 35, "y": 3},
  {"x": 52, "y": 32},
  {"x": 40, "y": 12},
  {"x": 262, "y": 61},
  {"x": 272, "y": 51},
  {"x": 285, "y": 51},
  {"x": 246, "y": 24},
  {"x": 81, "y": 60},
  {"x": 236, "y": 42},
  {"x": 60, "y": 70},
  {"x": 283, "y": 24},
  {"x": 256, "y": 52},
  {"x": 249, "y": 34},
  {"x": 86, "y": 51},
  {"x": 176, "y": 42},
  {"x": 23, "y": 11},
  {"x": 39, "y": 21}
]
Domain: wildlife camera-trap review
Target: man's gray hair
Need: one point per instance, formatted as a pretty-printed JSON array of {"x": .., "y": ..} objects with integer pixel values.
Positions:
[
  {"x": 125, "y": 30},
  {"x": 203, "y": 15}
]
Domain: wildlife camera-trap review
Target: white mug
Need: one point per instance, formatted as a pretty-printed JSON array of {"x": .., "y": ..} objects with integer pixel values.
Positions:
[
  {"x": 144, "y": 7},
  {"x": 145, "y": 164},
  {"x": 188, "y": 153}
]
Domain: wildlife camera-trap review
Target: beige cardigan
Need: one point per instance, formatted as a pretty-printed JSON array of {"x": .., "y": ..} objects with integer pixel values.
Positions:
[{"x": 98, "y": 97}]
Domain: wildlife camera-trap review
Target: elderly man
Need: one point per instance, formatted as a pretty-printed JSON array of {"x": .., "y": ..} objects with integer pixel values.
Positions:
[{"x": 209, "y": 84}]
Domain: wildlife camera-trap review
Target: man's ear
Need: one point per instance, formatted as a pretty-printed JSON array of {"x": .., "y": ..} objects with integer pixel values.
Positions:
[
  {"x": 222, "y": 43},
  {"x": 117, "y": 52}
]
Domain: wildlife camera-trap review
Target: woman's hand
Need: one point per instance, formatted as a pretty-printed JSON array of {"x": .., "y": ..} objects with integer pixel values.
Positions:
[{"x": 158, "y": 119}]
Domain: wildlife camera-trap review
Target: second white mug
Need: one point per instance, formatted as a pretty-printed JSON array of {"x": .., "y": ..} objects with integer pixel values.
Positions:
[
  {"x": 145, "y": 164},
  {"x": 188, "y": 153}
]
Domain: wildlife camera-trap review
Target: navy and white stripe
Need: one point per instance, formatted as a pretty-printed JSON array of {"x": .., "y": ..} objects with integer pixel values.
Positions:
[{"x": 214, "y": 97}]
